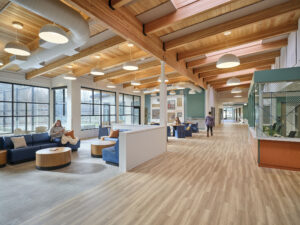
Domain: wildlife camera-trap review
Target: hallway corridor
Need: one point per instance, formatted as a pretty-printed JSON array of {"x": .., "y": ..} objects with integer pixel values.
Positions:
[{"x": 198, "y": 181}]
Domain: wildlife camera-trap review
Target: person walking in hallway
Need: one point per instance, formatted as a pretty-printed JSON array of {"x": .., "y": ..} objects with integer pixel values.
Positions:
[{"x": 210, "y": 123}]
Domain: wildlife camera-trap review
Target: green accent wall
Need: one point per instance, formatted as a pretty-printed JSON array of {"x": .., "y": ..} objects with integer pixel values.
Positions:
[
  {"x": 285, "y": 74},
  {"x": 194, "y": 105},
  {"x": 245, "y": 112}
]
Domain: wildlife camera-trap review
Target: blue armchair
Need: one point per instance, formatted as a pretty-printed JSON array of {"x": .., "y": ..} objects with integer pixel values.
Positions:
[
  {"x": 111, "y": 154},
  {"x": 195, "y": 128},
  {"x": 180, "y": 132},
  {"x": 103, "y": 131},
  {"x": 188, "y": 131}
]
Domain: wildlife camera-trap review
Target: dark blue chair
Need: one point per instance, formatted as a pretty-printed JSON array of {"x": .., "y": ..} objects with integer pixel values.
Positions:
[
  {"x": 103, "y": 131},
  {"x": 180, "y": 132},
  {"x": 188, "y": 131},
  {"x": 168, "y": 131},
  {"x": 111, "y": 154},
  {"x": 195, "y": 128}
]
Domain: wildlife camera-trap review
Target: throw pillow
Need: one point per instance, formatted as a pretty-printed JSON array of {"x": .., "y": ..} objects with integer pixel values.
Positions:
[
  {"x": 188, "y": 128},
  {"x": 114, "y": 133},
  {"x": 19, "y": 142},
  {"x": 70, "y": 134}
]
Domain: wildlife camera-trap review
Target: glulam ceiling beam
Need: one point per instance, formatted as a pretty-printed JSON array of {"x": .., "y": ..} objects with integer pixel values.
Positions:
[
  {"x": 233, "y": 24},
  {"x": 84, "y": 53},
  {"x": 183, "y": 12},
  {"x": 153, "y": 71},
  {"x": 154, "y": 79},
  {"x": 233, "y": 42},
  {"x": 243, "y": 60},
  {"x": 155, "y": 84},
  {"x": 229, "y": 88},
  {"x": 225, "y": 85},
  {"x": 238, "y": 68},
  {"x": 259, "y": 48},
  {"x": 125, "y": 24},
  {"x": 105, "y": 64},
  {"x": 122, "y": 72},
  {"x": 223, "y": 81},
  {"x": 119, "y": 3}
]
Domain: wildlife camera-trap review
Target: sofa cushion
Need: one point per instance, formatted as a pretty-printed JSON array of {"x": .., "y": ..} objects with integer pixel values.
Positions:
[
  {"x": 22, "y": 154},
  {"x": 43, "y": 137},
  {"x": 114, "y": 133},
  {"x": 46, "y": 145},
  {"x": 8, "y": 144},
  {"x": 19, "y": 142}
]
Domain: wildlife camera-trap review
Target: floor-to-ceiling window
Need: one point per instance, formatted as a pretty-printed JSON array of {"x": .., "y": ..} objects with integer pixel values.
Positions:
[
  {"x": 129, "y": 109},
  {"x": 23, "y": 107},
  {"x": 97, "y": 108},
  {"x": 60, "y": 104}
]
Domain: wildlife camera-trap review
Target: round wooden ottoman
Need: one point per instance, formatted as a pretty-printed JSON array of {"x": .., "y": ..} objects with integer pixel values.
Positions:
[
  {"x": 3, "y": 158},
  {"x": 96, "y": 148},
  {"x": 53, "y": 158}
]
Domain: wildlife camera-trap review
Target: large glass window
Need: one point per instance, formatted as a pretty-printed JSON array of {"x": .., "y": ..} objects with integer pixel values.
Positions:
[
  {"x": 60, "y": 104},
  {"x": 97, "y": 108},
  {"x": 129, "y": 109},
  {"x": 23, "y": 107}
]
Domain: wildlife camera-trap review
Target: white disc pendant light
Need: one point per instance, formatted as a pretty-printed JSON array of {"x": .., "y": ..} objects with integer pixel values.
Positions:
[
  {"x": 172, "y": 93},
  {"x": 97, "y": 72},
  {"x": 70, "y": 77},
  {"x": 135, "y": 83},
  {"x": 17, "y": 48},
  {"x": 233, "y": 81},
  {"x": 130, "y": 66},
  {"x": 166, "y": 80},
  {"x": 53, "y": 34},
  {"x": 236, "y": 90},
  {"x": 228, "y": 61}
]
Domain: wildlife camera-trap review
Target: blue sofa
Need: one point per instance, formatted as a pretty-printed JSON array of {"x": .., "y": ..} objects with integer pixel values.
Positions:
[
  {"x": 188, "y": 131},
  {"x": 111, "y": 154},
  {"x": 180, "y": 132},
  {"x": 34, "y": 143}
]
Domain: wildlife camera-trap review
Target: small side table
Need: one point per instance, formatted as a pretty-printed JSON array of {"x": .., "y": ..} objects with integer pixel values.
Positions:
[
  {"x": 96, "y": 148},
  {"x": 3, "y": 158}
]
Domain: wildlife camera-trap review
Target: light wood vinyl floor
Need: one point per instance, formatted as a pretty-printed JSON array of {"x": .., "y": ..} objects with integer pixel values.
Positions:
[{"x": 198, "y": 181}]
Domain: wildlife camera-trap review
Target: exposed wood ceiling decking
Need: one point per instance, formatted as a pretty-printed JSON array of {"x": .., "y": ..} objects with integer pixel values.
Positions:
[{"x": 187, "y": 35}]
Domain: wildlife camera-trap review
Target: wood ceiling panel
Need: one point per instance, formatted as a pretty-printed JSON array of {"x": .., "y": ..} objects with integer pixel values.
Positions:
[{"x": 141, "y": 6}]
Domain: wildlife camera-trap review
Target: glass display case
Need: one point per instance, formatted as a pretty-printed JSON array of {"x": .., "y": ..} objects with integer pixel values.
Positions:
[{"x": 274, "y": 107}]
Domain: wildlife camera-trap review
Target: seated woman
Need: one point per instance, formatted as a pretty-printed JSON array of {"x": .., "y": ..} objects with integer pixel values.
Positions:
[
  {"x": 58, "y": 131},
  {"x": 177, "y": 121}
]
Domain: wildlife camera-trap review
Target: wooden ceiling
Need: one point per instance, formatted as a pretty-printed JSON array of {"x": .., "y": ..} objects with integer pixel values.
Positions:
[{"x": 189, "y": 38}]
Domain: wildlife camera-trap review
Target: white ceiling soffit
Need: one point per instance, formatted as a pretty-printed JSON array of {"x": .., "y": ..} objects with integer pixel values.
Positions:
[
  {"x": 157, "y": 12},
  {"x": 222, "y": 19}
]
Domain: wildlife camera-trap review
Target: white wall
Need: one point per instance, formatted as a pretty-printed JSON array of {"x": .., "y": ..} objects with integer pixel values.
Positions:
[
  {"x": 211, "y": 101},
  {"x": 141, "y": 145}
]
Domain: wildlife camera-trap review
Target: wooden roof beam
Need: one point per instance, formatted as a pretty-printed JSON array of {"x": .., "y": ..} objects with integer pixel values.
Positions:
[
  {"x": 155, "y": 84},
  {"x": 243, "y": 60},
  {"x": 240, "y": 52},
  {"x": 86, "y": 52},
  {"x": 119, "y": 3},
  {"x": 125, "y": 24},
  {"x": 223, "y": 81},
  {"x": 238, "y": 68},
  {"x": 239, "y": 41},
  {"x": 225, "y": 85},
  {"x": 233, "y": 24},
  {"x": 229, "y": 88}
]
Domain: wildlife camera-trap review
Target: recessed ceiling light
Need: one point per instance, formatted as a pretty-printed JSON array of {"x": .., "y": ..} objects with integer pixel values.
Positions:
[
  {"x": 70, "y": 66},
  {"x": 228, "y": 61},
  {"x": 130, "y": 66},
  {"x": 53, "y": 34},
  {"x": 70, "y": 77},
  {"x": 236, "y": 90},
  {"x": 237, "y": 96},
  {"x": 166, "y": 80},
  {"x": 97, "y": 56},
  {"x": 17, "y": 48},
  {"x": 180, "y": 88},
  {"x": 17, "y": 25},
  {"x": 97, "y": 72},
  {"x": 130, "y": 45},
  {"x": 1, "y": 63},
  {"x": 245, "y": 104},
  {"x": 135, "y": 83},
  {"x": 226, "y": 33}
]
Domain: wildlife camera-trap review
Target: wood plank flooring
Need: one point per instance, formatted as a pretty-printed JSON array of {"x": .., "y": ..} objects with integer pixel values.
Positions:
[{"x": 200, "y": 180}]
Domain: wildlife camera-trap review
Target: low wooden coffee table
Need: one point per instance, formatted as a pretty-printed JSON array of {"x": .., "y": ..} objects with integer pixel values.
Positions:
[
  {"x": 3, "y": 158},
  {"x": 47, "y": 159},
  {"x": 96, "y": 148}
]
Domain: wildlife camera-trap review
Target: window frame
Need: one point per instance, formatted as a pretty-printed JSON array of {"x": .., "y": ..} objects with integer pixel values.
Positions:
[
  {"x": 123, "y": 105},
  {"x": 13, "y": 102}
]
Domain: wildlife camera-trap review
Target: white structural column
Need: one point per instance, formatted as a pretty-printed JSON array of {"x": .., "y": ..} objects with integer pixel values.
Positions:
[
  {"x": 163, "y": 96},
  {"x": 74, "y": 107}
]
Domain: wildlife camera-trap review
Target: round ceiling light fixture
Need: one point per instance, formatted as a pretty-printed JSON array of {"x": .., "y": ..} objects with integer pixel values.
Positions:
[
  {"x": 180, "y": 88},
  {"x": 53, "y": 34},
  {"x": 111, "y": 86},
  {"x": 97, "y": 72},
  {"x": 130, "y": 66},
  {"x": 172, "y": 93},
  {"x": 228, "y": 61},
  {"x": 236, "y": 90},
  {"x": 233, "y": 81},
  {"x": 135, "y": 83},
  {"x": 226, "y": 33},
  {"x": 17, "y": 48},
  {"x": 17, "y": 25},
  {"x": 192, "y": 92},
  {"x": 237, "y": 96},
  {"x": 97, "y": 56},
  {"x": 130, "y": 45},
  {"x": 70, "y": 77}
]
